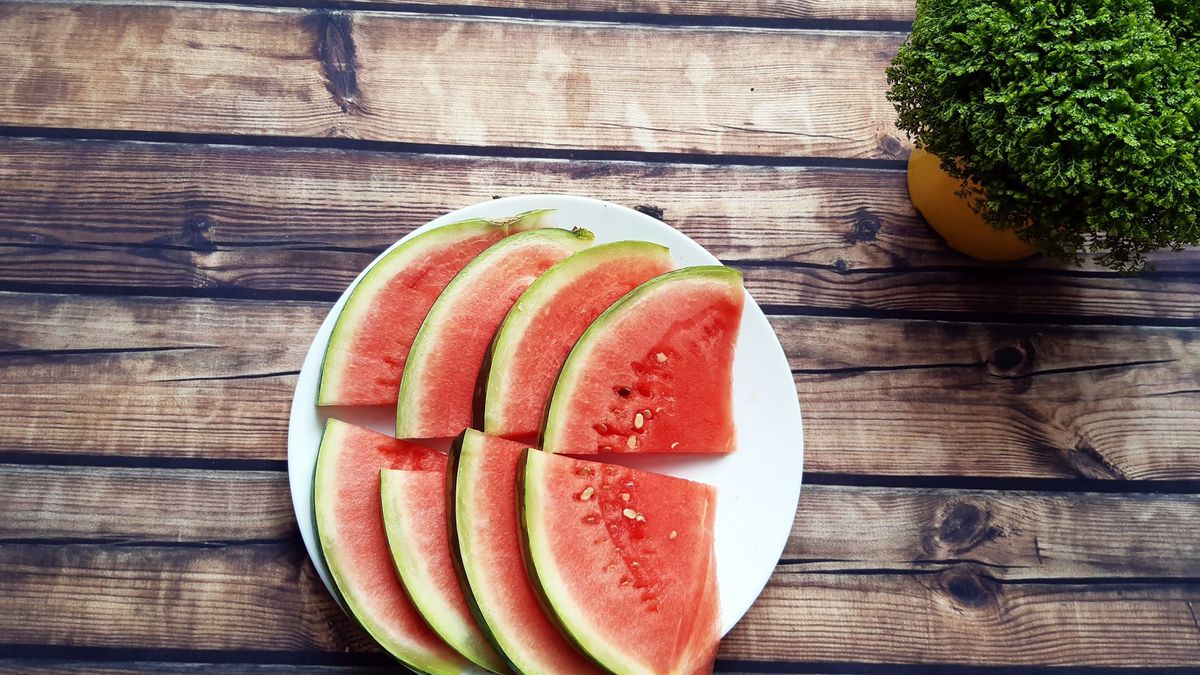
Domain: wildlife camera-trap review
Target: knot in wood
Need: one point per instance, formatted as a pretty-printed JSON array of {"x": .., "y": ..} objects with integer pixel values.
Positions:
[
  {"x": 650, "y": 210},
  {"x": 337, "y": 54},
  {"x": 962, "y": 526},
  {"x": 968, "y": 589},
  {"x": 891, "y": 145},
  {"x": 196, "y": 232},
  {"x": 1012, "y": 360},
  {"x": 865, "y": 228}
]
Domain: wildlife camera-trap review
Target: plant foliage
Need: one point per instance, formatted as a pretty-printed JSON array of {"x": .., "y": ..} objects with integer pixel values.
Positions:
[{"x": 1078, "y": 119}]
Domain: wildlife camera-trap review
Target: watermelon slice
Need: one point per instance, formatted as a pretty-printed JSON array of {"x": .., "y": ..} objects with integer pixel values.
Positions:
[
  {"x": 414, "y": 514},
  {"x": 624, "y": 560},
  {"x": 373, "y": 333},
  {"x": 548, "y": 319},
  {"x": 351, "y": 533},
  {"x": 654, "y": 372},
  {"x": 437, "y": 391},
  {"x": 484, "y": 531}
]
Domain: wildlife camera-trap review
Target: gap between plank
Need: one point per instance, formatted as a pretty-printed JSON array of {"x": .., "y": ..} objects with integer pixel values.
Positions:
[
  {"x": 279, "y": 295},
  {"x": 35, "y": 655},
  {"x": 982, "y": 483},
  {"x": 594, "y": 16},
  {"x": 510, "y": 152}
]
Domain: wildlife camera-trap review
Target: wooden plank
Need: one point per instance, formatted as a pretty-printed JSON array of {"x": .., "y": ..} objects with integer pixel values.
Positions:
[
  {"x": 996, "y": 400},
  {"x": 227, "y": 220},
  {"x": 267, "y": 597},
  {"x": 151, "y": 377},
  {"x": 891, "y": 397},
  {"x": 842, "y": 10},
  {"x": 1016, "y": 536},
  {"x": 1019, "y": 536},
  {"x": 230, "y": 598},
  {"x": 144, "y": 505},
  {"x": 447, "y": 80},
  {"x": 961, "y": 616}
]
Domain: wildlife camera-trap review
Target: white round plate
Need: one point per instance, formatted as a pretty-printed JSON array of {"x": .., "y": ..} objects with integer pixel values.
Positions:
[{"x": 758, "y": 485}]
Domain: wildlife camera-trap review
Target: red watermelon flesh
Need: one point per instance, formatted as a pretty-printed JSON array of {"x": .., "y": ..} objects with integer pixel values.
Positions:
[
  {"x": 547, "y": 320},
  {"x": 351, "y": 533},
  {"x": 414, "y": 515},
  {"x": 375, "y": 330},
  {"x": 654, "y": 372},
  {"x": 437, "y": 392},
  {"x": 485, "y": 533},
  {"x": 624, "y": 560}
]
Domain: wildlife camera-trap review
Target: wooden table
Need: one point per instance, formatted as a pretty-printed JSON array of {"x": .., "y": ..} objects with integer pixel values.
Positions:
[{"x": 1004, "y": 461}]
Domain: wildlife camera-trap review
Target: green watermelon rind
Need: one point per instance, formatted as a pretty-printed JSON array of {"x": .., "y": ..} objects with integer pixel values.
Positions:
[
  {"x": 459, "y": 509},
  {"x": 560, "y": 398},
  {"x": 326, "y": 456},
  {"x": 551, "y": 589},
  {"x": 359, "y": 302},
  {"x": 430, "y": 604},
  {"x": 443, "y": 312},
  {"x": 534, "y": 299}
]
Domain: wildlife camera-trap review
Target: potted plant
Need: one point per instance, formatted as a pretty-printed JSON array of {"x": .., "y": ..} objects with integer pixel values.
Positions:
[{"x": 1072, "y": 126}]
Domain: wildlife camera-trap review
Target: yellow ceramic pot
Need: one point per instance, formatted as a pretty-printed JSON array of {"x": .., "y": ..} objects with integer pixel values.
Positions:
[{"x": 933, "y": 194}]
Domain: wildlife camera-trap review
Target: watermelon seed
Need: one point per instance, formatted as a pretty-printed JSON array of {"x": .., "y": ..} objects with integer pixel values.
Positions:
[
  {"x": 601, "y": 428},
  {"x": 660, "y": 357},
  {"x": 624, "y": 392},
  {"x": 658, "y": 410},
  {"x": 674, "y": 534},
  {"x": 630, "y": 484},
  {"x": 634, "y": 564},
  {"x": 631, "y": 442},
  {"x": 639, "y": 421},
  {"x": 647, "y": 414},
  {"x": 640, "y": 518},
  {"x": 606, "y": 448},
  {"x": 673, "y": 445},
  {"x": 625, "y": 582},
  {"x": 629, "y": 513},
  {"x": 624, "y": 496},
  {"x": 586, "y": 494}
]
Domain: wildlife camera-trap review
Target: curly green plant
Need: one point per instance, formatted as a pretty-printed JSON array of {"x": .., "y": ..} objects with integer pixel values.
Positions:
[{"x": 1078, "y": 119}]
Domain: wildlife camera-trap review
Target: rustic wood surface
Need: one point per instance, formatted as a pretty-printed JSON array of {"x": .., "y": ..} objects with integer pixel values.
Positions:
[{"x": 1002, "y": 461}]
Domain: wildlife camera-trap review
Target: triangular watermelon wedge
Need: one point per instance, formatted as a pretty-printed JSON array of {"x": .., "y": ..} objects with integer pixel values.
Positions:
[
  {"x": 624, "y": 560},
  {"x": 437, "y": 391},
  {"x": 484, "y": 532},
  {"x": 545, "y": 323},
  {"x": 654, "y": 372},
  {"x": 350, "y": 530},
  {"x": 376, "y": 327},
  {"x": 414, "y": 515}
]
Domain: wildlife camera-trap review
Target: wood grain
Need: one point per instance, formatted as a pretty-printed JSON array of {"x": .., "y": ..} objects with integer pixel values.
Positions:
[
  {"x": 1017, "y": 536},
  {"x": 163, "y": 218},
  {"x": 144, "y": 505},
  {"x": 151, "y": 377},
  {"x": 961, "y": 616},
  {"x": 890, "y": 397},
  {"x": 447, "y": 80},
  {"x": 232, "y": 598},
  {"x": 266, "y": 597},
  {"x": 996, "y": 399}
]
